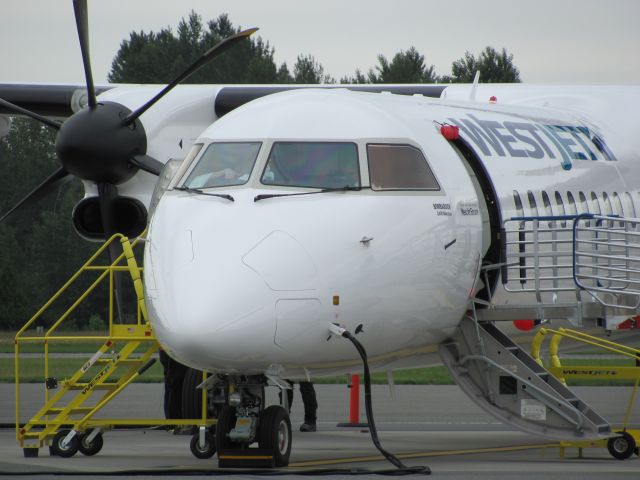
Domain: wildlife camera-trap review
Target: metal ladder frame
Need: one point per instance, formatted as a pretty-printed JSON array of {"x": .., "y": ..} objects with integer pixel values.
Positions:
[
  {"x": 58, "y": 411},
  {"x": 590, "y": 372}
]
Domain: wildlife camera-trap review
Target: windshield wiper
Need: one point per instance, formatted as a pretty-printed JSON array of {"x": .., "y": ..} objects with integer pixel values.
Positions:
[
  {"x": 202, "y": 192},
  {"x": 324, "y": 190}
]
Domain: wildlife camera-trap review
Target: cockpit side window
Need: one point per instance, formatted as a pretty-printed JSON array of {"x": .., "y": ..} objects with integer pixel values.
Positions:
[
  {"x": 399, "y": 167},
  {"x": 224, "y": 164},
  {"x": 312, "y": 165}
]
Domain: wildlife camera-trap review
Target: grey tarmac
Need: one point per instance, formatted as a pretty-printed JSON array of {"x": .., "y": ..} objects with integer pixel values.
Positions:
[{"x": 435, "y": 426}]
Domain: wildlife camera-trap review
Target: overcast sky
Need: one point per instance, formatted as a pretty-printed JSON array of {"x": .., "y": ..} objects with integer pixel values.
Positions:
[{"x": 553, "y": 41}]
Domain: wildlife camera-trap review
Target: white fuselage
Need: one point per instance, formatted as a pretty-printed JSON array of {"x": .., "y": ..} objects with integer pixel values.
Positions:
[{"x": 250, "y": 286}]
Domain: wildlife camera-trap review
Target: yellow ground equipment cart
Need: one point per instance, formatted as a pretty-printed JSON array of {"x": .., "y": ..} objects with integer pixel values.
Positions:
[
  {"x": 625, "y": 443},
  {"x": 67, "y": 421}
]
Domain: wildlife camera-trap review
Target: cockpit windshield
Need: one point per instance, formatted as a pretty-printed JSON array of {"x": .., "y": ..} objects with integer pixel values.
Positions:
[
  {"x": 224, "y": 164},
  {"x": 312, "y": 165}
]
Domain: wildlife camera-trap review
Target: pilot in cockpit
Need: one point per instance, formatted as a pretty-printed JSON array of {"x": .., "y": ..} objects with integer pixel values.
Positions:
[{"x": 223, "y": 164}]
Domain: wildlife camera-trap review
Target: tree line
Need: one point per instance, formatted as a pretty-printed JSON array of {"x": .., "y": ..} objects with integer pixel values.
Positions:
[
  {"x": 159, "y": 57},
  {"x": 40, "y": 250}
]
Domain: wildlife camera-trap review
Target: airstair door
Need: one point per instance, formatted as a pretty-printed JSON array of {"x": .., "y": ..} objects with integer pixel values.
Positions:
[{"x": 506, "y": 382}]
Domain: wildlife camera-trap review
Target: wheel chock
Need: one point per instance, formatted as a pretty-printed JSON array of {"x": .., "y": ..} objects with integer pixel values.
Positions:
[
  {"x": 246, "y": 458},
  {"x": 30, "y": 452}
]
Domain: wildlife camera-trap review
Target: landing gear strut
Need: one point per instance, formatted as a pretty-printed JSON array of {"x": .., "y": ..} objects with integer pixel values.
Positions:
[{"x": 246, "y": 421}]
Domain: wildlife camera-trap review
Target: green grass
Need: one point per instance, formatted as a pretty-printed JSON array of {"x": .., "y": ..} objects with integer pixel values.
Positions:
[
  {"x": 7, "y": 343},
  {"x": 436, "y": 375},
  {"x": 32, "y": 370}
]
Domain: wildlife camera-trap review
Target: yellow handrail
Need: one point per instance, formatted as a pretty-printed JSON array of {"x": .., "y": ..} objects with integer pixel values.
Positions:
[
  {"x": 582, "y": 337},
  {"x": 617, "y": 348},
  {"x": 62, "y": 289},
  {"x": 107, "y": 270},
  {"x": 131, "y": 267},
  {"x": 127, "y": 251},
  {"x": 124, "y": 348}
]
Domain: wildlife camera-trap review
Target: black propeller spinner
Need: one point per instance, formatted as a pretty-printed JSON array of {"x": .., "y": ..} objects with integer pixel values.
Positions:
[
  {"x": 94, "y": 144},
  {"x": 105, "y": 142}
]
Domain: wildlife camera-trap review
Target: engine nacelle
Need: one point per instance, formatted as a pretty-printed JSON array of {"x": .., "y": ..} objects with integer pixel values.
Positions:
[{"x": 130, "y": 217}]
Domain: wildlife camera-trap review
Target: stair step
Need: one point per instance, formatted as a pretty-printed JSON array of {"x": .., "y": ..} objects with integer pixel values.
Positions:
[
  {"x": 52, "y": 411},
  {"x": 100, "y": 386},
  {"x": 45, "y": 423},
  {"x": 127, "y": 361}
]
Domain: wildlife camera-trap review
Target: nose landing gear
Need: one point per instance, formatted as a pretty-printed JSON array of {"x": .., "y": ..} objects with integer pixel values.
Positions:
[
  {"x": 246, "y": 421},
  {"x": 274, "y": 434}
]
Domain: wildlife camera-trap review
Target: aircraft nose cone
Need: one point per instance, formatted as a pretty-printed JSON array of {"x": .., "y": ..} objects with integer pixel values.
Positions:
[
  {"x": 203, "y": 300},
  {"x": 283, "y": 263}
]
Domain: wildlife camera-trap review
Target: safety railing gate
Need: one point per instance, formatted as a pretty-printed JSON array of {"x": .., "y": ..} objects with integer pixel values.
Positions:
[
  {"x": 573, "y": 266},
  {"x": 67, "y": 421},
  {"x": 625, "y": 441}
]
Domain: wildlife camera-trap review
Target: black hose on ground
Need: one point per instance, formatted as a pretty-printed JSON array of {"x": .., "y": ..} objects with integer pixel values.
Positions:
[{"x": 369, "y": 411}]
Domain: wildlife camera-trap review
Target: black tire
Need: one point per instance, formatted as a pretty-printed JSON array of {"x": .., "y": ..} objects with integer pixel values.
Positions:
[
  {"x": 274, "y": 434},
  {"x": 226, "y": 421},
  {"x": 68, "y": 451},
  {"x": 191, "y": 396},
  {"x": 209, "y": 449},
  {"x": 90, "y": 449},
  {"x": 621, "y": 446}
]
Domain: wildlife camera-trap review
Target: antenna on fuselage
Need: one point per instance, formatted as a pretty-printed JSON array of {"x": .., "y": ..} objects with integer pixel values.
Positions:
[{"x": 474, "y": 87}]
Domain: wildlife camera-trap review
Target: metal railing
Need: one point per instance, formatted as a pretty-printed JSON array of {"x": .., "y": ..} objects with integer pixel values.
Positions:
[
  {"x": 576, "y": 267},
  {"x": 124, "y": 352},
  {"x": 51, "y": 337},
  {"x": 606, "y": 256},
  {"x": 548, "y": 255},
  {"x": 538, "y": 255}
]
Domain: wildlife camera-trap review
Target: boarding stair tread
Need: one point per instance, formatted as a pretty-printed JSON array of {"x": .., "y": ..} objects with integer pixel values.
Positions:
[
  {"x": 70, "y": 411},
  {"x": 121, "y": 361},
  {"x": 102, "y": 386},
  {"x": 74, "y": 412},
  {"x": 128, "y": 350}
]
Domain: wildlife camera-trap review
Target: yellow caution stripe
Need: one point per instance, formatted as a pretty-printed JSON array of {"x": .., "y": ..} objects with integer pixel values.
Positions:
[
  {"x": 439, "y": 453},
  {"x": 245, "y": 457}
]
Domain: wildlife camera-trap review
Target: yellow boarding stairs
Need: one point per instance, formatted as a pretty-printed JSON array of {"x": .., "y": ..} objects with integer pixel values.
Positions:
[
  {"x": 66, "y": 422},
  {"x": 625, "y": 444}
]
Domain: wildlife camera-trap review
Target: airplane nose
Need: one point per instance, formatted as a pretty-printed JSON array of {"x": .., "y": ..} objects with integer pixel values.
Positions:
[
  {"x": 203, "y": 299},
  {"x": 198, "y": 314}
]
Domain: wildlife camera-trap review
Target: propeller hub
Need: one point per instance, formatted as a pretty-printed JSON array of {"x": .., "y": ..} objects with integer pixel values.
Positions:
[{"x": 96, "y": 145}]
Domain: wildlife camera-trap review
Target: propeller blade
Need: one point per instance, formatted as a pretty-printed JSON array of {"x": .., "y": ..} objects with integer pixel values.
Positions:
[
  {"x": 147, "y": 163},
  {"x": 108, "y": 193},
  {"x": 29, "y": 113},
  {"x": 54, "y": 180},
  {"x": 82, "y": 23},
  {"x": 209, "y": 55}
]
